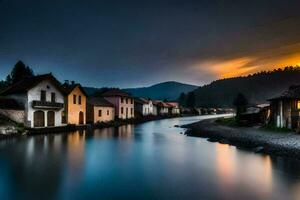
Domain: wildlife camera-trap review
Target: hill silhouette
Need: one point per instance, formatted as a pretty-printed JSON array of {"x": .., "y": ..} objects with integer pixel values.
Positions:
[
  {"x": 167, "y": 90},
  {"x": 257, "y": 87}
]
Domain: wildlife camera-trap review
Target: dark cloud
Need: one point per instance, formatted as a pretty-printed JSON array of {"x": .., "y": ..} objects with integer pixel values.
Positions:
[{"x": 129, "y": 43}]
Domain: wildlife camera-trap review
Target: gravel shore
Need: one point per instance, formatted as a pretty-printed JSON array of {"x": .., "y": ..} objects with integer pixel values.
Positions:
[{"x": 255, "y": 139}]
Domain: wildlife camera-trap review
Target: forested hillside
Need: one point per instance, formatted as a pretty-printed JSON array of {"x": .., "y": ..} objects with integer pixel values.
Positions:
[{"x": 256, "y": 87}]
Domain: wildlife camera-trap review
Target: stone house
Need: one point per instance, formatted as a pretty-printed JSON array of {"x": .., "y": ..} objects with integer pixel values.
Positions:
[
  {"x": 40, "y": 97},
  {"x": 122, "y": 101},
  {"x": 99, "y": 110},
  {"x": 75, "y": 103},
  {"x": 285, "y": 109}
]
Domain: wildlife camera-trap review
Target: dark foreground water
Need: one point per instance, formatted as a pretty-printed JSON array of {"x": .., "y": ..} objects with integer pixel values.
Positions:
[{"x": 147, "y": 161}]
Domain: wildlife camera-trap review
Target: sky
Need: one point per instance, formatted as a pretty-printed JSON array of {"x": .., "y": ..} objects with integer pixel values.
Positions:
[{"x": 139, "y": 43}]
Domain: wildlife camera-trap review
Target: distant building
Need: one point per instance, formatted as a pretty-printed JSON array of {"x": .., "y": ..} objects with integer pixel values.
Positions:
[
  {"x": 40, "y": 98},
  {"x": 256, "y": 114},
  {"x": 99, "y": 110},
  {"x": 122, "y": 101},
  {"x": 162, "y": 108},
  {"x": 143, "y": 106},
  {"x": 75, "y": 104},
  {"x": 174, "y": 108},
  {"x": 285, "y": 109}
]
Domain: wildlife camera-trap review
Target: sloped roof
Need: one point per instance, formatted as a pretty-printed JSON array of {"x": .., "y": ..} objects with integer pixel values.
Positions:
[
  {"x": 141, "y": 101},
  {"x": 10, "y": 104},
  {"x": 99, "y": 101},
  {"x": 173, "y": 104},
  {"x": 292, "y": 93},
  {"x": 26, "y": 84},
  {"x": 161, "y": 104},
  {"x": 115, "y": 92},
  {"x": 68, "y": 88}
]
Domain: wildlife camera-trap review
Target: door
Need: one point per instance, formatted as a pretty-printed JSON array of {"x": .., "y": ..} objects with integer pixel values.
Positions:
[
  {"x": 81, "y": 118},
  {"x": 38, "y": 119},
  {"x": 50, "y": 118}
]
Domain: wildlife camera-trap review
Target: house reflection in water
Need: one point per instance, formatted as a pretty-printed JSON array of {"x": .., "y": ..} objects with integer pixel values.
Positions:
[
  {"x": 237, "y": 169},
  {"x": 39, "y": 156},
  {"x": 126, "y": 131},
  {"x": 75, "y": 156}
]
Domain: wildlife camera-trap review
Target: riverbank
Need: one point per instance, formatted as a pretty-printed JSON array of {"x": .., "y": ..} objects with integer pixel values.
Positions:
[
  {"x": 71, "y": 127},
  {"x": 251, "y": 138}
]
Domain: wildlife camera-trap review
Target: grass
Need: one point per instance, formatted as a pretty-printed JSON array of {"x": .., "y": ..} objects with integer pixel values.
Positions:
[
  {"x": 228, "y": 121},
  {"x": 273, "y": 128}
]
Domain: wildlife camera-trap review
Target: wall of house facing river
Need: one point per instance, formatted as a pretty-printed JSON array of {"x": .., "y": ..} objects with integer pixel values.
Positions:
[{"x": 34, "y": 94}]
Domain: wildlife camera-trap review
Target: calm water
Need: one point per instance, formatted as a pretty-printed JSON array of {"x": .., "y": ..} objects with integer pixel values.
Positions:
[{"x": 147, "y": 161}]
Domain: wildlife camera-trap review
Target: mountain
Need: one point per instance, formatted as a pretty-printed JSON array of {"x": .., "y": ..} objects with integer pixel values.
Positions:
[
  {"x": 167, "y": 90},
  {"x": 256, "y": 87}
]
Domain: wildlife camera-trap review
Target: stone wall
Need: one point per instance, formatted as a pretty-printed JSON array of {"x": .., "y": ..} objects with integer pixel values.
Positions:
[{"x": 15, "y": 115}]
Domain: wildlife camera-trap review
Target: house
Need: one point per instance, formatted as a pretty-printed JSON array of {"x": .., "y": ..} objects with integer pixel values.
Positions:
[
  {"x": 99, "y": 110},
  {"x": 255, "y": 114},
  {"x": 143, "y": 106},
  {"x": 39, "y": 97},
  {"x": 162, "y": 108},
  {"x": 122, "y": 101},
  {"x": 285, "y": 109},
  {"x": 75, "y": 103},
  {"x": 174, "y": 108}
]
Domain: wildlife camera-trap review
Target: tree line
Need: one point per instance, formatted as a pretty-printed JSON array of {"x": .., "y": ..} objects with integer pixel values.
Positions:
[
  {"x": 18, "y": 72},
  {"x": 256, "y": 88}
]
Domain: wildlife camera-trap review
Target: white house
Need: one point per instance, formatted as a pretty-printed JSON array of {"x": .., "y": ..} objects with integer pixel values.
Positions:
[
  {"x": 162, "y": 108},
  {"x": 174, "y": 108},
  {"x": 144, "y": 106},
  {"x": 40, "y": 97}
]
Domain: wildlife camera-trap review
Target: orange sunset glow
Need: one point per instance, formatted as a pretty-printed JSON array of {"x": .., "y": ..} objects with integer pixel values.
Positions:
[{"x": 242, "y": 65}]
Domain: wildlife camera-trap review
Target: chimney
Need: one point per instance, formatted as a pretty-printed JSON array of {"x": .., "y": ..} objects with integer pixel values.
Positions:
[{"x": 72, "y": 82}]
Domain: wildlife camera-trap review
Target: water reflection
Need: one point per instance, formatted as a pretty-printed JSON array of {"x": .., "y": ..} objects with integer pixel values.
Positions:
[
  {"x": 140, "y": 162},
  {"x": 121, "y": 132},
  {"x": 244, "y": 171}
]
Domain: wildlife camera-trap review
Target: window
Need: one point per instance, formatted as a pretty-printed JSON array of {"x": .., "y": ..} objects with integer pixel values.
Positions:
[
  {"x": 74, "y": 99},
  {"x": 107, "y": 112},
  {"x": 298, "y": 104},
  {"x": 131, "y": 111},
  {"x": 53, "y": 98},
  {"x": 122, "y": 100},
  {"x": 79, "y": 100},
  {"x": 100, "y": 113},
  {"x": 122, "y": 110},
  {"x": 126, "y": 101},
  {"x": 43, "y": 95},
  {"x": 131, "y": 101}
]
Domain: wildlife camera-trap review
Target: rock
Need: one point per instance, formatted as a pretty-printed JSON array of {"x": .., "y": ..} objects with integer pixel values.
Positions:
[
  {"x": 8, "y": 130},
  {"x": 212, "y": 140},
  {"x": 177, "y": 126},
  {"x": 224, "y": 141}
]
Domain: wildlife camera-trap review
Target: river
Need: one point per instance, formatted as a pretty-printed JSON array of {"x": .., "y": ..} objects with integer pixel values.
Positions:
[{"x": 146, "y": 161}]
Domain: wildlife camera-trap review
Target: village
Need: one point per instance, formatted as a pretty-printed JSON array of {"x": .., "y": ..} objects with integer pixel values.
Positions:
[{"x": 43, "y": 102}]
